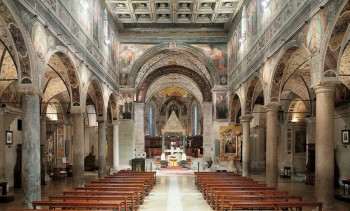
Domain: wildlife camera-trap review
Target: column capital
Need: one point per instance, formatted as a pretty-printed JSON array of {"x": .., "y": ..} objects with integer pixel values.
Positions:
[
  {"x": 77, "y": 110},
  {"x": 115, "y": 122},
  {"x": 324, "y": 88},
  {"x": 101, "y": 119},
  {"x": 246, "y": 118},
  {"x": 272, "y": 107}
]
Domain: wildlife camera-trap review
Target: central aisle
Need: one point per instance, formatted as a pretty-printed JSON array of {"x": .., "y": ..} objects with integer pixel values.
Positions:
[{"x": 175, "y": 193}]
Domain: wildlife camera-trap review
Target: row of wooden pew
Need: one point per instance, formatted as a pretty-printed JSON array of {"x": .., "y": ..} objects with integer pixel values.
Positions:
[
  {"x": 120, "y": 191},
  {"x": 230, "y": 191}
]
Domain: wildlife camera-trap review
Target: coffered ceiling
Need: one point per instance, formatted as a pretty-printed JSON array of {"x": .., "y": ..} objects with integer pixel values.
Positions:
[{"x": 152, "y": 15}]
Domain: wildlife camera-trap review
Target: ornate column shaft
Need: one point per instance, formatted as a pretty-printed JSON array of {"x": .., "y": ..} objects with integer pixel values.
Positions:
[
  {"x": 207, "y": 129},
  {"x": 139, "y": 127},
  {"x": 101, "y": 149},
  {"x": 78, "y": 149},
  {"x": 116, "y": 145},
  {"x": 31, "y": 183},
  {"x": 271, "y": 144},
  {"x": 246, "y": 119},
  {"x": 324, "y": 175}
]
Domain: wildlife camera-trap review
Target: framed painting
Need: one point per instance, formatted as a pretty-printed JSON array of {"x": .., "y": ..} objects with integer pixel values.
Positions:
[
  {"x": 9, "y": 137},
  {"x": 345, "y": 136}
]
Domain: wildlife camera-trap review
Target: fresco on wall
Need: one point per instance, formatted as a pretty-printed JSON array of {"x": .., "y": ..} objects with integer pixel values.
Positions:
[
  {"x": 221, "y": 106},
  {"x": 60, "y": 142},
  {"x": 96, "y": 22},
  {"x": 50, "y": 138},
  {"x": 230, "y": 142},
  {"x": 40, "y": 43},
  {"x": 125, "y": 105},
  {"x": 234, "y": 50},
  {"x": 252, "y": 19},
  {"x": 123, "y": 79},
  {"x": 84, "y": 12},
  {"x": 314, "y": 33},
  {"x": 129, "y": 53},
  {"x": 217, "y": 53}
]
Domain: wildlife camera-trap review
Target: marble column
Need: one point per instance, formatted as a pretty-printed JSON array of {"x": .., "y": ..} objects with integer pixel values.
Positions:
[
  {"x": 78, "y": 149},
  {"x": 2, "y": 145},
  {"x": 271, "y": 144},
  {"x": 246, "y": 119},
  {"x": 324, "y": 147},
  {"x": 139, "y": 127},
  {"x": 207, "y": 129},
  {"x": 163, "y": 142},
  {"x": 43, "y": 150},
  {"x": 115, "y": 145},
  {"x": 69, "y": 138},
  {"x": 101, "y": 149},
  {"x": 31, "y": 183}
]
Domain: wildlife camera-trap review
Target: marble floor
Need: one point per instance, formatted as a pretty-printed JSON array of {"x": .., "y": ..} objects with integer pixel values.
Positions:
[{"x": 175, "y": 191}]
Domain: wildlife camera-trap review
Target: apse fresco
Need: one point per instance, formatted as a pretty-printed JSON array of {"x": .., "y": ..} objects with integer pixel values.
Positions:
[
  {"x": 129, "y": 53},
  {"x": 217, "y": 53}
]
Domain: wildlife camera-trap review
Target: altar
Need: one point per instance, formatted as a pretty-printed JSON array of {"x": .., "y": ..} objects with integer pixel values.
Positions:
[{"x": 174, "y": 153}]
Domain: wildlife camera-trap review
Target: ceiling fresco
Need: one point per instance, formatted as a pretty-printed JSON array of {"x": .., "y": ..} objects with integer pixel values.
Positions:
[{"x": 170, "y": 14}]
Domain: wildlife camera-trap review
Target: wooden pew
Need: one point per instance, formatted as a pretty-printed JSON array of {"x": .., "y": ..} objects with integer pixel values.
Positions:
[
  {"x": 147, "y": 183},
  {"x": 225, "y": 200},
  {"x": 24, "y": 209},
  {"x": 114, "y": 204},
  {"x": 274, "y": 205},
  {"x": 152, "y": 173},
  {"x": 127, "y": 200},
  {"x": 215, "y": 195},
  {"x": 134, "y": 195},
  {"x": 140, "y": 191}
]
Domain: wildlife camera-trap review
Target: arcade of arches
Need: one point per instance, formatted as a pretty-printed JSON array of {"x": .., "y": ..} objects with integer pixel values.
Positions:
[{"x": 264, "y": 84}]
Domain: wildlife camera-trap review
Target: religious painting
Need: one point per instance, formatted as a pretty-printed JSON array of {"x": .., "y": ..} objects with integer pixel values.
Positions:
[
  {"x": 129, "y": 53},
  {"x": 40, "y": 43},
  {"x": 230, "y": 142},
  {"x": 217, "y": 53},
  {"x": 123, "y": 79},
  {"x": 252, "y": 19},
  {"x": 314, "y": 33},
  {"x": 234, "y": 51},
  {"x": 221, "y": 106},
  {"x": 95, "y": 24},
  {"x": 60, "y": 142},
  {"x": 84, "y": 12},
  {"x": 125, "y": 104},
  {"x": 50, "y": 139},
  {"x": 223, "y": 79}
]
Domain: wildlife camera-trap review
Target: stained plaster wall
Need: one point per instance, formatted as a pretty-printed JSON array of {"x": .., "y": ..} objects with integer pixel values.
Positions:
[{"x": 126, "y": 142}]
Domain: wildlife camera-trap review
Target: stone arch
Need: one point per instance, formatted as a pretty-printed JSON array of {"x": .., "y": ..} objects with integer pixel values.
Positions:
[
  {"x": 201, "y": 82},
  {"x": 19, "y": 44},
  {"x": 174, "y": 80},
  {"x": 69, "y": 76},
  {"x": 96, "y": 94},
  {"x": 212, "y": 77},
  {"x": 112, "y": 108},
  {"x": 333, "y": 43},
  {"x": 235, "y": 107},
  {"x": 285, "y": 61},
  {"x": 253, "y": 84}
]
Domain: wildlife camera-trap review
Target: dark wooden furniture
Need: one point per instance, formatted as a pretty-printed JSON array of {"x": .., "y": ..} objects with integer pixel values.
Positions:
[
  {"x": 310, "y": 166},
  {"x": 4, "y": 197},
  {"x": 90, "y": 162},
  {"x": 138, "y": 164},
  {"x": 346, "y": 182}
]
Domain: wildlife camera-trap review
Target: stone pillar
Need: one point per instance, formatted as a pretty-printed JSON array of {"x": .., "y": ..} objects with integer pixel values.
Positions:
[
  {"x": 78, "y": 149},
  {"x": 271, "y": 144},
  {"x": 324, "y": 146},
  {"x": 310, "y": 130},
  {"x": 163, "y": 142},
  {"x": 139, "y": 127},
  {"x": 2, "y": 145},
  {"x": 207, "y": 129},
  {"x": 31, "y": 183},
  {"x": 69, "y": 138},
  {"x": 246, "y": 119},
  {"x": 116, "y": 144},
  {"x": 101, "y": 149},
  {"x": 260, "y": 138},
  {"x": 43, "y": 130}
]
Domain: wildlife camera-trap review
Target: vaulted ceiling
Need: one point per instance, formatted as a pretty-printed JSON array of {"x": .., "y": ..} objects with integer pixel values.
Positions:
[{"x": 190, "y": 15}]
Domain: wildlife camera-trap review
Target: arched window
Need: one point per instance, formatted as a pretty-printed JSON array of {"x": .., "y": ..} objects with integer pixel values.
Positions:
[
  {"x": 150, "y": 120},
  {"x": 195, "y": 120},
  {"x": 175, "y": 109}
]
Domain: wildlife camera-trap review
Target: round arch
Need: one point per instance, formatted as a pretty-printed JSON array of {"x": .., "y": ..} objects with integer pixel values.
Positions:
[{"x": 184, "y": 49}]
